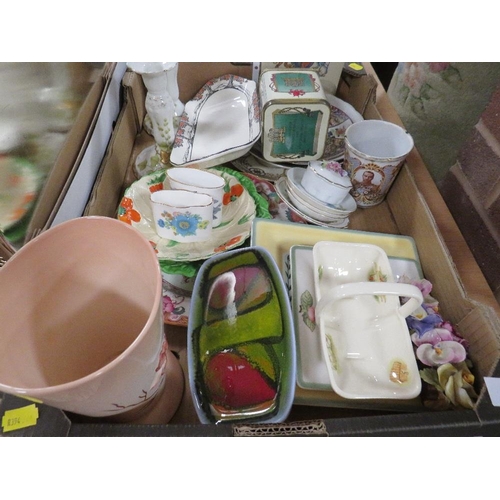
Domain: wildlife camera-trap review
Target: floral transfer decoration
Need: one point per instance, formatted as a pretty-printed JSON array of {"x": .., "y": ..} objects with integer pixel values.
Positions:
[
  {"x": 377, "y": 275},
  {"x": 232, "y": 193},
  {"x": 399, "y": 372},
  {"x": 307, "y": 310},
  {"x": 156, "y": 384},
  {"x": 175, "y": 309},
  {"x": 126, "y": 211},
  {"x": 332, "y": 353},
  {"x": 182, "y": 224},
  {"x": 442, "y": 354},
  {"x": 333, "y": 166}
]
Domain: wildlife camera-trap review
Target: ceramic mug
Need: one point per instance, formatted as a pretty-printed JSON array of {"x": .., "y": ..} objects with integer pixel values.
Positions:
[
  {"x": 82, "y": 322},
  {"x": 374, "y": 153},
  {"x": 327, "y": 181},
  {"x": 200, "y": 181},
  {"x": 182, "y": 216}
]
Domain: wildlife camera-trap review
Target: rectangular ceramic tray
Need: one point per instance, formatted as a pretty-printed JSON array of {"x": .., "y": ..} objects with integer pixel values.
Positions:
[
  {"x": 280, "y": 238},
  {"x": 311, "y": 368}
]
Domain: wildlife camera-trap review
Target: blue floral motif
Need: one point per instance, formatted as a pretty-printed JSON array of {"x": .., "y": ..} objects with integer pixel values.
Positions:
[
  {"x": 217, "y": 208},
  {"x": 183, "y": 224}
]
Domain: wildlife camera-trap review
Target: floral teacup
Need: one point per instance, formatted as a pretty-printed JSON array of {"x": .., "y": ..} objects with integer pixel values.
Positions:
[
  {"x": 182, "y": 216},
  {"x": 326, "y": 181},
  {"x": 200, "y": 181}
]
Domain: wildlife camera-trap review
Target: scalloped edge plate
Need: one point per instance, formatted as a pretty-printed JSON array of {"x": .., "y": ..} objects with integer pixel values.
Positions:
[{"x": 237, "y": 216}]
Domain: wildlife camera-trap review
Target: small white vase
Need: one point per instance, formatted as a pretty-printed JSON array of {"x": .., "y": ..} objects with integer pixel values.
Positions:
[{"x": 163, "y": 110}]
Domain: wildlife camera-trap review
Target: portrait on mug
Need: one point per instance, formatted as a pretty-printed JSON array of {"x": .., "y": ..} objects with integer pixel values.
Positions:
[{"x": 367, "y": 181}]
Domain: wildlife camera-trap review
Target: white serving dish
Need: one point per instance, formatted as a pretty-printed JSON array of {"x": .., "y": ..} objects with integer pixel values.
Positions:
[
  {"x": 365, "y": 340},
  {"x": 221, "y": 123},
  {"x": 312, "y": 371},
  {"x": 279, "y": 237}
]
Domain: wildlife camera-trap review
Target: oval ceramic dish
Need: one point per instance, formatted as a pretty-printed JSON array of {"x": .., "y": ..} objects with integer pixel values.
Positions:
[
  {"x": 241, "y": 340},
  {"x": 221, "y": 123},
  {"x": 238, "y": 211}
]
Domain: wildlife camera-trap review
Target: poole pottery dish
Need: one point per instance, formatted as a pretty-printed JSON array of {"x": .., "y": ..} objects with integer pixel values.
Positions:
[
  {"x": 365, "y": 339},
  {"x": 221, "y": 123},
  {"x": 238, "y": 211},
  {"x": 312, "y": 372},
  {"x": 241, "y": 340}
]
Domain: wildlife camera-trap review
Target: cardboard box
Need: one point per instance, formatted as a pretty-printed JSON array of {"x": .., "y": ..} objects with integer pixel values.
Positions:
[
  {"x": 413, "y": 208},
  {"x": 74, "y": 151}
]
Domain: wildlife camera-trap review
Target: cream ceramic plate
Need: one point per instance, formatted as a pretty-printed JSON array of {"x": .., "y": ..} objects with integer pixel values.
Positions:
[
  {"x": 238, "y": 211},
  {"x": 312, "y": 371},
  {"x": 335, "y": 222},
  {"x": 221, "y": 123},
  {"x": 342, "y": 114},
  {"x": 365, "y": 341},
  {"x": 279, "y": 237},
  {"x": 19, "y": 184}
]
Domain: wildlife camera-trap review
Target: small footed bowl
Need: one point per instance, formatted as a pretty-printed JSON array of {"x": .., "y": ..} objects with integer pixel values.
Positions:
[{"x": 326, "y": 181}]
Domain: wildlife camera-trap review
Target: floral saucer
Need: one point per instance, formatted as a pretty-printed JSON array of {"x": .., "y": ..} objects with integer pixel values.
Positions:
[
  {"x": 238, "y": 211},
  {"x": 342, "y": 114},
  {"x": 282, "y": 190},
  {"x": 221, "y": 123}
]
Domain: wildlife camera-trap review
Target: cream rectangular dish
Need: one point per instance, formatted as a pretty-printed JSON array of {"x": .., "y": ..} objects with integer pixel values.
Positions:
[{"x": 365, "y": 340}]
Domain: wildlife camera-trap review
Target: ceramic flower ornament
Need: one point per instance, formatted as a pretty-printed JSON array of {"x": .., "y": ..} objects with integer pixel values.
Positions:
[
  {"x": 443, "y": 352},
  {"x": 447, "y": 351}
]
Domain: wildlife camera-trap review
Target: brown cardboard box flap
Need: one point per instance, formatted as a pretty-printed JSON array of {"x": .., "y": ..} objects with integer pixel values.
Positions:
[{"x": 70, "y": 156}]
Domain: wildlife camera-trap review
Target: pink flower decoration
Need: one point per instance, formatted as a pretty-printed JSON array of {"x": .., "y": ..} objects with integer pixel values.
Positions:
[
  {"x": 447, "y": 351},
  {"x": 432, "y": 337}
]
